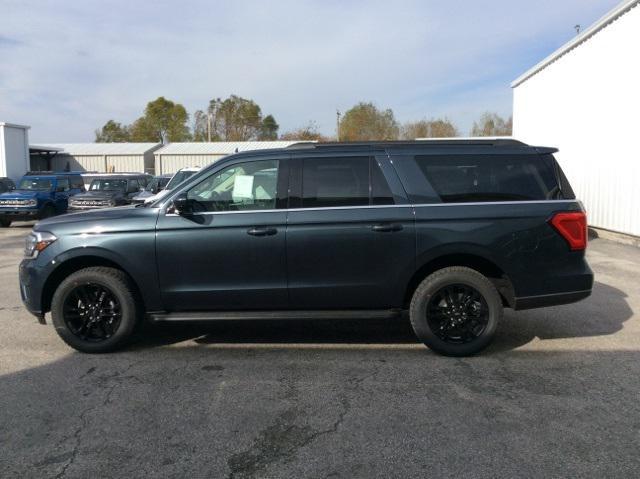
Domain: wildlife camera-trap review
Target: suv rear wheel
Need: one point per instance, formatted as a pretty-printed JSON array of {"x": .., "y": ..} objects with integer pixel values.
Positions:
[
  {"x": 94, "y": 310},
  {"x": 455, "y": 311}
]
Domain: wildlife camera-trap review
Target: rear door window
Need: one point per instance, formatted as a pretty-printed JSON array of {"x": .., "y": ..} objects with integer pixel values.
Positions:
[
  {"x": 328, "y": 182},
  {"x": 343, "y": 181},
  {"x": 484, "y": 178}
]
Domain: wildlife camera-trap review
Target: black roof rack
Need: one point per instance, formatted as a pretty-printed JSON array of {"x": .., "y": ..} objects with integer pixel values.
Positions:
[
  {"x": 422, "y": 142},
  {"x": 49, "y": 172}
]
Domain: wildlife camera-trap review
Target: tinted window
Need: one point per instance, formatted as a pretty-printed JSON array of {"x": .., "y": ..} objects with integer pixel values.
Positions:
[
  {"x": 108, "y": 185},
  {"x": 489, "y": 178},
  {"x": 76, "y": 182},
  {"x": 63, "y": 184},
  {"x": 133, "y": 186},
  {"x": 244, "y": 186},
  {"x": 35, "y": 184},
  {"x": 335, "y": 182},
  {"x": 179, "y": 177},
  {"x": 380, "y": 191}
]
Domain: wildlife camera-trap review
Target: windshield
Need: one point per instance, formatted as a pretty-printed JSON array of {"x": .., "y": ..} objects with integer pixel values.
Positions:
[
  {"x": 108, "y": 185},
  {"x": 178, "y": 178},
  {"x": 35, "y": 184}
]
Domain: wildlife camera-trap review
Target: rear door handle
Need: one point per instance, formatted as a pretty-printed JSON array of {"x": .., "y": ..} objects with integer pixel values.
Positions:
[
  {"x": 386, "y": 227},
  {"x": 262, "y": 231}
]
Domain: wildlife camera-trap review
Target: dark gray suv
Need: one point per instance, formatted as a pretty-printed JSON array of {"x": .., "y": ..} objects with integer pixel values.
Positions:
[{"x": 450, "y": 231}]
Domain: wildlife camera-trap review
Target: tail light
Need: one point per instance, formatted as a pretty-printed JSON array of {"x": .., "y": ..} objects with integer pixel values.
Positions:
[{"x": 572, "y": 226}]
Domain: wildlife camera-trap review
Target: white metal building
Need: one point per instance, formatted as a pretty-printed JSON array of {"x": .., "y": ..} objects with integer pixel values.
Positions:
[
  {"x": 14, "y": 150},
  {"x": 170, "y": 158},
  {"x": 105, "y": 157},
  {"x": 585, "y": 100}
]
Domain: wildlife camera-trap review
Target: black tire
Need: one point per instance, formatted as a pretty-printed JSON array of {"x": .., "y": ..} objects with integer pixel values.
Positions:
[
  {"x": 122, "y": 302},
  {"x": 5, "y": 222},
  {"x": 467, "y": 322},
  {"x": 47, "y": 212}
]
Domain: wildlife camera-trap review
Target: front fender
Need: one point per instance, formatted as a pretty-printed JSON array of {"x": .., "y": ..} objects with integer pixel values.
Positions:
[{"x": 138, "y": 263}]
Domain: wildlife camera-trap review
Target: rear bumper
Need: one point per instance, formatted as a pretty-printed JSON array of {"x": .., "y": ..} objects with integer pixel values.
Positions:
[{"x": 530, "y": 302}]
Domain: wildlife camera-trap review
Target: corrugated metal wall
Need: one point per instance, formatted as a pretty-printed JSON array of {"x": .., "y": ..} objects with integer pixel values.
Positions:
[
  {"x": 104, "y": 163},
  {"x": 586, "y": 104},
  {"x": 166, "y": 164},
  {"x": 80, "y": 163}
]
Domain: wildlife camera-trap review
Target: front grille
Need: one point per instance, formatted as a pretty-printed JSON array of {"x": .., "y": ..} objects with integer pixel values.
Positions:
[
  {"x": 14, "y": 202},
  {"x": 87, "y": 203}
]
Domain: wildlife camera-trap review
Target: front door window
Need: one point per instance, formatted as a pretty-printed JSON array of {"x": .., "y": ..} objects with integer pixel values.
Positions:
[{"x": 240, "y": 187}]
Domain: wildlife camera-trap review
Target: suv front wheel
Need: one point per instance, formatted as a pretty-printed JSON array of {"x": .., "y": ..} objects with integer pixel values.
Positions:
[
  {"x": 455, "y": 311},
  {"x": 94, "y": 310}
]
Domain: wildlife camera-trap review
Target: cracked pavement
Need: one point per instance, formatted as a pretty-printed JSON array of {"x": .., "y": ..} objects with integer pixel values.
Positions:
[{"x": 555, "y": 396}]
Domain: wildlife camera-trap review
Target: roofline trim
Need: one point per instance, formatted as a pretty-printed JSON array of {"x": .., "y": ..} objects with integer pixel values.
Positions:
[{"x": 600, "y": 24}]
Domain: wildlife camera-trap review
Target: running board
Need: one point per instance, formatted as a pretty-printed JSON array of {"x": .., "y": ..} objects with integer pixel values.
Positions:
[{"x": 258, "y": 315}]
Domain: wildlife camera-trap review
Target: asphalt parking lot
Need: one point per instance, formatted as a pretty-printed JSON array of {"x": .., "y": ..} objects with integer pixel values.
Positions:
[{"x": 557, "y": 395}]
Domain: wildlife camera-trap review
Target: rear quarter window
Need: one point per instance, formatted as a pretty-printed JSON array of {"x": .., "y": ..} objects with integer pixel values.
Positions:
[{"x": 487, "y": 178}]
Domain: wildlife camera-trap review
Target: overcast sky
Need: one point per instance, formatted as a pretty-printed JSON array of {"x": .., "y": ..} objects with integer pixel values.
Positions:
[{"x": 66, "y": 67}]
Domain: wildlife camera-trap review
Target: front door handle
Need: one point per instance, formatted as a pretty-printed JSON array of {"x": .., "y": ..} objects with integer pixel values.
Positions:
[
  {"x": 262, "y": 231},
  {"x": 386, "y": 227}
]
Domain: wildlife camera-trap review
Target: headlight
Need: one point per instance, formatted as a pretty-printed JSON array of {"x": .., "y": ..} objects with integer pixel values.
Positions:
[
  {"x": 37, "y": 241},
  {"x": 32, "y": 203}
]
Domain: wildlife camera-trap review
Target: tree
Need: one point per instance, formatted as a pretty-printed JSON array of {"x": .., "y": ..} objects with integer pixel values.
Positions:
[
  {"x": 269, "y": 129},
  {"x": 434, "y": 128},
  {"x": 492, "y": 124},
  {"x": 235, "y": 119},
  {"x": 365, "y": 122},
  {"x": 305, "y": 133},
  {"x": 113, "y": 132},
  {"x": 163, "y": 121},
  {"x": 201, "y": 128}
]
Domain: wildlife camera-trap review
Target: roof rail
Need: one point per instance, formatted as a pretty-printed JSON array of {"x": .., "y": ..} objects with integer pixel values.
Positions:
[
  {"x": 50, "y": 172},
  {"x": 480, "y": 141}
]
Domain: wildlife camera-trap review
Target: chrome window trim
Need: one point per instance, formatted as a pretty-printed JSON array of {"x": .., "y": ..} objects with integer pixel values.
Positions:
[{"x": 408, "y": 205}]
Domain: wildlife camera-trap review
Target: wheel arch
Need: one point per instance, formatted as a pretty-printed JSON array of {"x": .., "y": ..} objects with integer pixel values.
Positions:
[
  {"x": 475, "y": 261},
  {"x": 73, "y": 264}
]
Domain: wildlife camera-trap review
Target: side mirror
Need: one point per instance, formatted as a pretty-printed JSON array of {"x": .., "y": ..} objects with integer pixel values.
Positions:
[{"x": 183, "y": 205}]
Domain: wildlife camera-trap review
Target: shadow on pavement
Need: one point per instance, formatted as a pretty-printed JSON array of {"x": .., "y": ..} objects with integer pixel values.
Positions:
[{"x": 602, "y": 314}]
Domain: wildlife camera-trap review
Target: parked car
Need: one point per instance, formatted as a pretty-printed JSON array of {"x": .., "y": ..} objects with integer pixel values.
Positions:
[
  {"x": 6, "y": 184},
  {"x": 88, "y": 177},
  {"x": 106, "y": 192},
  {"x": 179, "y": 177},
  {"x": 39, "y": 196},
  {"x": 154, "y": 187},
  {"x": 450, "y": 231}
]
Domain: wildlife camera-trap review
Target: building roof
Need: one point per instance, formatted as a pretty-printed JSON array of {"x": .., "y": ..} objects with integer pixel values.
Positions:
[
  {"x": 14, "y": 125},
  {"x": 101, "y": 148},
  {"x": 221, "y": 147},
  {"x": 43, "y": 148},
  {"x": 585, "y": 35}
]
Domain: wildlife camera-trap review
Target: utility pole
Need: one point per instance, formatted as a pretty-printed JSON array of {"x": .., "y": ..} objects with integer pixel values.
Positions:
[
  {"x": 209, "y": 126},
  {"x": 338, "y": 125}
]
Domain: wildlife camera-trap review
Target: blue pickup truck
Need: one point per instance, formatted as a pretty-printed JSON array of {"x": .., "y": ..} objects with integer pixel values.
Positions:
[{"x": 38, "y": 196}]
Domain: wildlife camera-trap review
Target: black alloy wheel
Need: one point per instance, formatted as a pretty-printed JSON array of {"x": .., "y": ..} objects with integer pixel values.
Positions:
[
  {"x": 458, "y": 313},
  {"x": 96, "y": 309},
  {"x": 92, "y": 312},
  {"x": 455, "y": 311}
]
